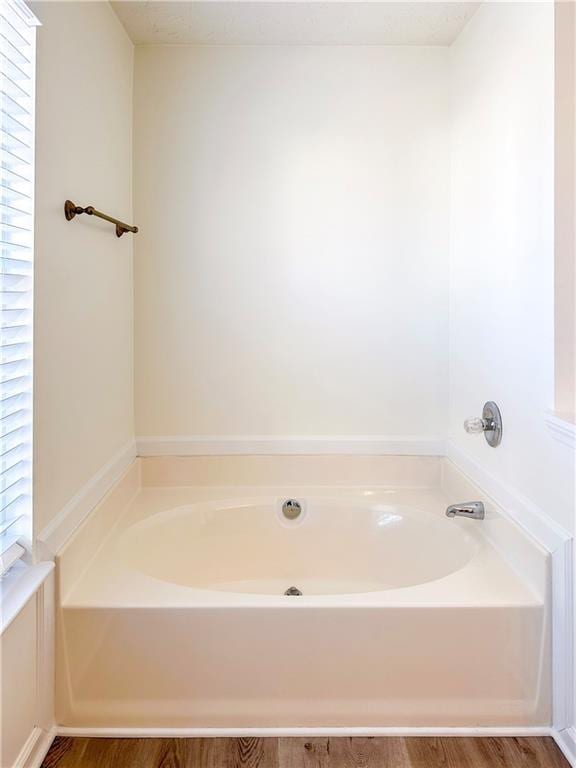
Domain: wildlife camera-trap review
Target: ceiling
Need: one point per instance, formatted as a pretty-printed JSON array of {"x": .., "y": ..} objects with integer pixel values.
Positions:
[{"x": 225, "y": 22}]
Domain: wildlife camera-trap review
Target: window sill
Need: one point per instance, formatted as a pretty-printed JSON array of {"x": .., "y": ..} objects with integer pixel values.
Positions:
[
  {"x": 562, "y": 428},
  {"x": 18, "y": 586}
]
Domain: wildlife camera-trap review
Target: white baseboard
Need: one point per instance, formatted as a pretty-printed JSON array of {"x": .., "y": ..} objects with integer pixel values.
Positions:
[
  {"x": 40, "y": 741},
  {"x": 35, "y": 749},
  {"x": 206, "y": 733},
  {"x": 566, "y": 740},
  {"x": 559, "y": 543},
  {"x": 355, "y": 445},
  {"x": 79, "y": 507}
]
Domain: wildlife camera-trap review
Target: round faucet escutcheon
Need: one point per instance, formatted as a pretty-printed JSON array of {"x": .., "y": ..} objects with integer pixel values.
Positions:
[{"x": 293, "y": 592}]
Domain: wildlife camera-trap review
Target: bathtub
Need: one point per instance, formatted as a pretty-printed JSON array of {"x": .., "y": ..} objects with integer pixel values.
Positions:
[{"x": 405, "y": 619}]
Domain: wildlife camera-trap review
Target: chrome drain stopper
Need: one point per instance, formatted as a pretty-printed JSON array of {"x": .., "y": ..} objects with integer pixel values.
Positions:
[{"x": 293, "y": 591}]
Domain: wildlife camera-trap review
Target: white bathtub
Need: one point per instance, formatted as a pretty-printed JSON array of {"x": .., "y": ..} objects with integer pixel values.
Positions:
[{"x": 407, "y": 618}]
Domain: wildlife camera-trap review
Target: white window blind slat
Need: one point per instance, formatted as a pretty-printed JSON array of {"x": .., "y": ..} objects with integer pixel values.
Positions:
[
  {"x": 17, "y": 419},
  {"x": 20, "y": 435},
  {"x": 18, "y": 315},
  {"x": 10, "y": 401},
  {"x": 11, "y": 160},
  {"x": 15, "y": 501},
  {"x": 13, "y": 213},
  {"x": 15, "y": 147},
  {"x": 10, "y": 526},
  {"x": 15, "y": 32},
  {"x": 18, "y": 442},
  {"x": 18, "y": 467},
  {"x": 11, "y": 70},
  {"x": 11, "y": 194},
  {"x": 11, "y": 225},
  {"x": 17, "y": 65},
  {"x": 18, "y": 237}
]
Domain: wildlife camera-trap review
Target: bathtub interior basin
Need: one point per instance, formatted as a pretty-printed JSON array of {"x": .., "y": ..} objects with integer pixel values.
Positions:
[{"x": 332, "y": 547}]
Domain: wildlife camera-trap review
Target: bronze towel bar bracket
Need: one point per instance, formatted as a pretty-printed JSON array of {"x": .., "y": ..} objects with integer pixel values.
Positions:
[{"x": 71, "y": 210}]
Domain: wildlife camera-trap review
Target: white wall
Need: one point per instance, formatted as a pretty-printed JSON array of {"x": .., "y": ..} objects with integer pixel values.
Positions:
[
  {"x": 502, "y": 249},
  {"x": 291, "y": 271},
  {"x": 83, "y": 273}
]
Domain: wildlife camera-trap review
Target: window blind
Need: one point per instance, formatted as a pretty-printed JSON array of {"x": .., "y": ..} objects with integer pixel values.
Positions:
[{"x": 17, "y": 75}]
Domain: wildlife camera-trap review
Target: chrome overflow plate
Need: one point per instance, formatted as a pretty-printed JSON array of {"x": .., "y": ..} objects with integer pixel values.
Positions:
[{"x": 291, "y": 509}]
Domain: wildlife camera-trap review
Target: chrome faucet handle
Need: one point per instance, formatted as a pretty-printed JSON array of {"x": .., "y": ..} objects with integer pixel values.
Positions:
[
  {"x": 489, "y": 424},
  {"x": 475, "y": 426}
]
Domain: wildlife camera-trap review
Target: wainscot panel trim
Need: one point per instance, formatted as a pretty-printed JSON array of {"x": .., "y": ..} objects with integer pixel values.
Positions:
[
  {"x": 46, "y": 655},
  {"x": 558, "y": 542},
  {"x": 53, "y": 537},
  {"x": 42, "y": 735},
  {"x": 230, "y": 445}
]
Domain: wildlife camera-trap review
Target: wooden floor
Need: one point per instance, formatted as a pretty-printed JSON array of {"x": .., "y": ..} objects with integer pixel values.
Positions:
[{"x": 306, "y": 753}]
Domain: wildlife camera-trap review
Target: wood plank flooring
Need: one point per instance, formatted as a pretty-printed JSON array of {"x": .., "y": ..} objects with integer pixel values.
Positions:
[{"x": 306, "y": 753}]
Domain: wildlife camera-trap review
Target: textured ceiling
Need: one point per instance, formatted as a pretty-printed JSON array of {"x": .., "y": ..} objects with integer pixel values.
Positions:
[{"x": 223, "y": 22}]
